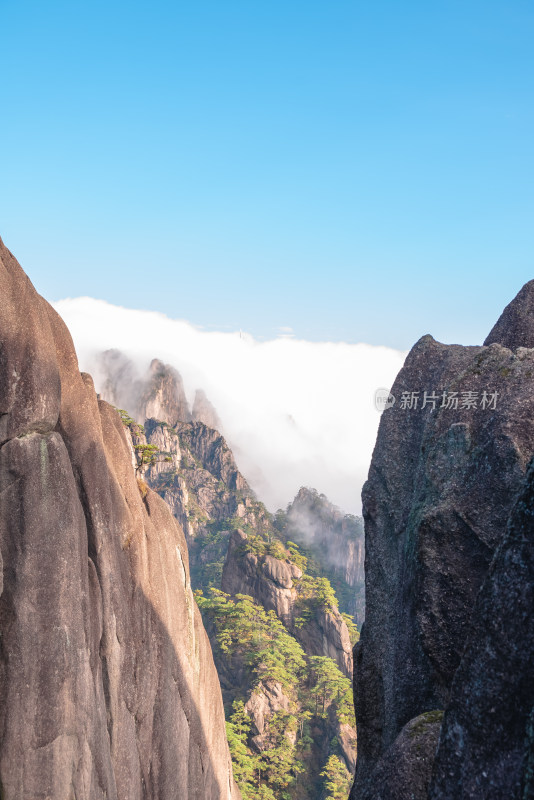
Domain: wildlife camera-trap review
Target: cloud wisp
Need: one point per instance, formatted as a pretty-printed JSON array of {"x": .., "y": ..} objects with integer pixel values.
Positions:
[{"x": 295, "y": 412}]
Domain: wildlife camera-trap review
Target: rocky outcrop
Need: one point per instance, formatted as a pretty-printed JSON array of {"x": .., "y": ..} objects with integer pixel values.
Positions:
[
  {"x": 107, "y": 683},
  {"x": 403, "y": 772},
  {"x": 486, "y": 746},
  {"x": 157, "y": 394},
  {"x": 326, "y": 634},
  {"x": 449, "y": 460},
  {"x": 209, "y": 448},
  {"x": 514, "y": 327},
  {"x": 265, "y": 701},
  {"x": 267, "y": 580},
  {"x": 336, "y": 538},
  {"x": 274, "y": 584},
  {"x": 338, "y": 535},
  {"x": 163, "y": 396},
  {"x": 196, "y": 475}
]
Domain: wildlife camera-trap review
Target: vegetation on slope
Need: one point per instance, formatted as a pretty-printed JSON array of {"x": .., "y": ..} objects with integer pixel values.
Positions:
[{"x": 286, "y": 764}]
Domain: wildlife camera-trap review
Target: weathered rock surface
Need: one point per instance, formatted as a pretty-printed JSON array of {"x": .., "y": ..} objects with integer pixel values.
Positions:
[
  {"x": 107, "y": 683},
  {"x": 486, "y": 747},
  {"x": 156, "y": 394},
  {"x": 403, "y": 772},
  {"x": 274, "y": 584},
  {"x": 163, "y": 397},
  {"x": 442, "y": 482},
  {"x": 201, "y": 483},
  {"x": 514, "y": 327},
  {"x": 247, "y": 573},
  {"x": 326, "y": 634},
  {"x": 267, "y": 699}
]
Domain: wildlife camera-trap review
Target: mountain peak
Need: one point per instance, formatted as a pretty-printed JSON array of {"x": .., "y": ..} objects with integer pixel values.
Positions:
[
  {"x": 204, "y": 411},
  {"x": 515, "y": 326}
]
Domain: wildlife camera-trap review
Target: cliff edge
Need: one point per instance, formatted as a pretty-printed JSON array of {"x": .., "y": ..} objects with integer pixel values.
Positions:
[
  {"x": 107, "y": 682},
  {"x": 449, "y": 461}
]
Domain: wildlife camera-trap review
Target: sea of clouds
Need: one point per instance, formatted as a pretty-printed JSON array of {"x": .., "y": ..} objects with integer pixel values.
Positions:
[{"x": 296, "y": 413}]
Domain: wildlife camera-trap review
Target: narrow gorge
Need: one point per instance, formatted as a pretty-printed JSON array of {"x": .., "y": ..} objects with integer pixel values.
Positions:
[{"x": 165, "y": 635}]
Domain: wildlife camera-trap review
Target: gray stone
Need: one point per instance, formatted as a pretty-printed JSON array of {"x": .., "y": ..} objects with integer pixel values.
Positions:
[
  {"x": 515, "y": 326},
  {"x": 486, "y": 747},
  {"x": 441, "y": 486}
]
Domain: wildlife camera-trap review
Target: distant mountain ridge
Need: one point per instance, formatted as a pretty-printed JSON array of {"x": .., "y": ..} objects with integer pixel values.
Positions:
[{"x": 158, "y": 394}]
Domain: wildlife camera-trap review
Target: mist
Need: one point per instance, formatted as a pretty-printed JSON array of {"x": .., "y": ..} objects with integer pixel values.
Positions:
[{"x": 296, "y": 413}]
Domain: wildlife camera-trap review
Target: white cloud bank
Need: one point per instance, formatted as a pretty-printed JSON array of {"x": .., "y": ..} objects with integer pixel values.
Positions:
[{"x": 294, "y": 412}]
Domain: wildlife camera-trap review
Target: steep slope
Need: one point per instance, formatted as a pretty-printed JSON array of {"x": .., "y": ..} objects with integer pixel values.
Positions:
[
  {"x": 486, "y": 746},
  {"x": 514, "y": 327},
  {"x": 157, "y": 393},
  {"x": 279, "y": 584},
  {"x": 163, "y": 395},
  {"x": 334, "y": 539},
  {"x": 199, "y": 480},
  {"x": 289, "y": 713},
  {"x": 442, "y": 482},
  {"x": 107, "y": 683},
  {"x": 285, "y": 723}
]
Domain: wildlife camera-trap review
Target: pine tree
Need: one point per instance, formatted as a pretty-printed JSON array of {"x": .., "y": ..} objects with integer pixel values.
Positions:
[{"x": 337, "y": 780}]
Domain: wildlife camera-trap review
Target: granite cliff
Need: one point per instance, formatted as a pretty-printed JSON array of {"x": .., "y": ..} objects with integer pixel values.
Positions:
[
  {"x": 276, "y": 583},
  {"x": 107, "y": 682},
  {"x": 445, "y": 652}
]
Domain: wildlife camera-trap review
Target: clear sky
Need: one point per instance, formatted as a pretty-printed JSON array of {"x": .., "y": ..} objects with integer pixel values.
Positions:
[{"x": 355, "y": 171}]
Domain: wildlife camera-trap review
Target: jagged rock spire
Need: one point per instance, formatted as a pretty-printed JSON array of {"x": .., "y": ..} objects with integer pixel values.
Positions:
[{"x": 515, "y": 326}]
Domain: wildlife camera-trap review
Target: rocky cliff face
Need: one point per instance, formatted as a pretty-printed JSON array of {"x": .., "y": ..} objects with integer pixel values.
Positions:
[
  {"x": 163, "y": 396},
  {"x": 486, "y": 746},
  {"x": 443, "y": 480},
  {"x": 199, "y": 480},
  {"x": 275, "y": 583},
  {"x": 157, "y": 394},
  {"x": 338, "y": 540},
  {"x": 107, "y": 683}
]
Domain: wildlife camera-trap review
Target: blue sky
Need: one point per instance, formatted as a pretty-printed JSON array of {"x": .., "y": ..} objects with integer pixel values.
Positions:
[{"x": 355, "y": 171}]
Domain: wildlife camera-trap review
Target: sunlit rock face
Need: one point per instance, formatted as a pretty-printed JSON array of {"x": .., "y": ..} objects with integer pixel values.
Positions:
[
  {"x": 444, "y": 477},
  {"x": 107, "y": 683},
  {"x": 273, "y": 584}
]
